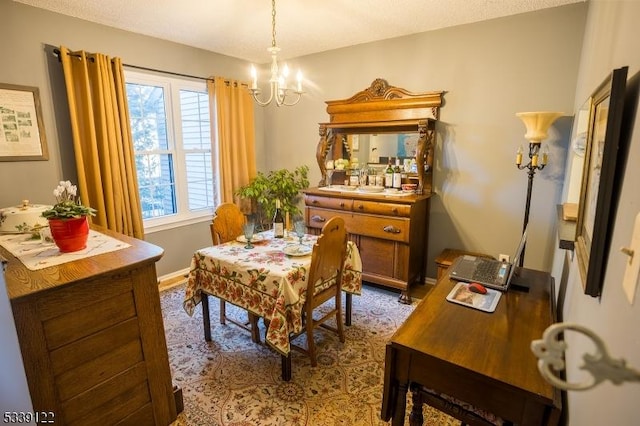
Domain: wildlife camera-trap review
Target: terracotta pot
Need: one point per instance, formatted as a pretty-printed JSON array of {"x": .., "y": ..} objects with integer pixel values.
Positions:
[{"x": 70, "y": 234}]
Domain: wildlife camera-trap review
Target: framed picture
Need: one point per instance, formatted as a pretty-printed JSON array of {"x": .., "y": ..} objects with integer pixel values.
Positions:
[
  {"x": 22, "y": 137},
  {"x": 600, "y": 181}
]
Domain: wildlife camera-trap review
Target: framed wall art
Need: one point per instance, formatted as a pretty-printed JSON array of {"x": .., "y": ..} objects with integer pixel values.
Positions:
[
  {"x": 22, "y": 136},
  {"x": 600, "y": 181}
]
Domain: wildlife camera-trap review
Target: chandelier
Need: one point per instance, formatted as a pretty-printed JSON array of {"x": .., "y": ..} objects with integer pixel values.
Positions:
[{"x": 280, "y": 91}]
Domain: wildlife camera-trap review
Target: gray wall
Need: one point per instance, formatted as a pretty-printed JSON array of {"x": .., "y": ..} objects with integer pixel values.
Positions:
[
  {"x": 490, "y": 71},
  {"x": 611, "y": 41},
  {"x": 27, "y": 31}
]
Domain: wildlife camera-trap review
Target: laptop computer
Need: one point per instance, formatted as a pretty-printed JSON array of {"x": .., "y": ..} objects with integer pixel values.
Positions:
[{"x": 490, "y": 273}]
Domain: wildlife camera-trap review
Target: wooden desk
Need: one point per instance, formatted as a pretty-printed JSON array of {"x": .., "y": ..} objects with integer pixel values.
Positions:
[
  {"x": 92, "y": 337},
  {"x": 480, "y": 358}
]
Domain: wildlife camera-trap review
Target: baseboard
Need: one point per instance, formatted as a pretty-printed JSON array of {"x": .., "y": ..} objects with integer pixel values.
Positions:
[{"x": 173, "y": 279}]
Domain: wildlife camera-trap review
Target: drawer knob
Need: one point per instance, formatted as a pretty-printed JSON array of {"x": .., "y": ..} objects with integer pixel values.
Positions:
[
  {"x": 394, "y": 210},
  {"x": 314, "y": 202},
  {"x": 361, "y": 206},
  {"x": 317, "y": 218},
  {"x": 342, "y": 204},
  {"x": 391, "y": 229}
]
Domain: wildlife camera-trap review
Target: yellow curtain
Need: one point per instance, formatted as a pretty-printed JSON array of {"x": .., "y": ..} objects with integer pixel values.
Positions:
[
  {"x": 102, "y": 140},
  {"x": 232, "y": 117}
]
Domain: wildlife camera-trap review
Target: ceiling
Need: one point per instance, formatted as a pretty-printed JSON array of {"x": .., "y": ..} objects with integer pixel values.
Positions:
[{"x": 242, "y": 28}]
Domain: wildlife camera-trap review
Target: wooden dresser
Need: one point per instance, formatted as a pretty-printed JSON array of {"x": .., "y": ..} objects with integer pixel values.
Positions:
[
  {"x": 390, "y": 232},
  {"x": 92, "y": 337}
]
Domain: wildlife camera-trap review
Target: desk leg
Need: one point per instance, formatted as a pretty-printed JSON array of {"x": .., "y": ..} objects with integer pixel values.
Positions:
[
  {"x": 286, "y": 367},
  {"x": 206, "y": 320},
  {"x": 415, "y": 417},
  {"x": 401, "y": 405},
  {"x": 349, "y": 304}
]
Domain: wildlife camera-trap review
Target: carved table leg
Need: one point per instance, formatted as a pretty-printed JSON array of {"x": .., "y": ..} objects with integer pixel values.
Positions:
[
  {"x": 349, "y": 304},
  {"x": 415, "y": 418},
  {"x": 286, "y": 367},
  {"x": 401, "y": 405},
  {"x": 205, "y": 317}
]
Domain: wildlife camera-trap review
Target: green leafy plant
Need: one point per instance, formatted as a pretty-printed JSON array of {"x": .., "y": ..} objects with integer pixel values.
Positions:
[
  {"x": 283, "y": 185},
  {"x": 68, "y": 204}
]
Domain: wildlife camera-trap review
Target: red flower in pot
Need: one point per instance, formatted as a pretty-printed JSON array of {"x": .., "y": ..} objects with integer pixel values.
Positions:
[{"x": 68, "y": 219}]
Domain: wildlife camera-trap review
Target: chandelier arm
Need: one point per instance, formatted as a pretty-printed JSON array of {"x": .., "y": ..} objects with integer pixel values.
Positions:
[
  {"x": 284, "y": 98},
  {"x": 277, "y": 83},
  {"x": 256, "y": 93}
]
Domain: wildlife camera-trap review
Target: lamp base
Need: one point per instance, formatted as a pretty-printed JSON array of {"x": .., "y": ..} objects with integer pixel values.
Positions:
[{"x": 518, "y": 283}]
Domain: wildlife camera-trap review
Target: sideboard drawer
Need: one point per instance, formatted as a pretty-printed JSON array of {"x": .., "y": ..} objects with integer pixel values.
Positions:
[
  {"x": 329, "y": 203},
  {"x": 386, "y": 228},
  {"x": 316, "y": 218},
  {"x": 387, "y": 209}
]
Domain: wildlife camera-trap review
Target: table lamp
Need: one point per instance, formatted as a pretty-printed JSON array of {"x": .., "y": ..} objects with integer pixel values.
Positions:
[{"x": 537, "y": 124}]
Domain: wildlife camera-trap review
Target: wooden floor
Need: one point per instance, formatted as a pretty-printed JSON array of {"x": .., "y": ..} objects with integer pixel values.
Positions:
[{"x": 417, "y": 291}]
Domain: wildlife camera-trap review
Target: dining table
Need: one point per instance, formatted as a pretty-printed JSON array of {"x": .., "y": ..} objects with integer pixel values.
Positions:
[{"x": 268, "y": 280}]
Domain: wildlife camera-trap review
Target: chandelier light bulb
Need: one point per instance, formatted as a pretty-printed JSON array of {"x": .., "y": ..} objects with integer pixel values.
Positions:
[{"x": 279, "y": 90}]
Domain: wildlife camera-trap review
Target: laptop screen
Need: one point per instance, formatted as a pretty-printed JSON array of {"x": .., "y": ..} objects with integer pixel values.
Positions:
[{"x": 516, "y": 257}]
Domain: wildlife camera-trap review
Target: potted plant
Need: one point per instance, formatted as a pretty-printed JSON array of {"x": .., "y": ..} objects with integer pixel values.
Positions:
[
  {"x": 283, "y": 185},
  {"x": 68, "y": 218}
]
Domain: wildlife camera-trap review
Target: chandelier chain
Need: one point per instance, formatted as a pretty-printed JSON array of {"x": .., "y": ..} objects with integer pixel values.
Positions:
[
  {"x": 280, "y": 91},
  {"x": 273, "y": 23}
]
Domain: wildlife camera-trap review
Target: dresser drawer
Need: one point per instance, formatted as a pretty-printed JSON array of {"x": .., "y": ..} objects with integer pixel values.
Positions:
[
  {"x": 316, "y": 218},
  {"x": 386, "y": 228},
  {"x": 386, "y": 209},
  {"x": 329, "y": 203}
]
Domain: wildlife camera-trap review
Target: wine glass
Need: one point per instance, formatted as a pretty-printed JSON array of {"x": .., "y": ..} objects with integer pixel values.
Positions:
[
  {"x": 300, "y": 228},
  {"x": 248, "y": 228}
]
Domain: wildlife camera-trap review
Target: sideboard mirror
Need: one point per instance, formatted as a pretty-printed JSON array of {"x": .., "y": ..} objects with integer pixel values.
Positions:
[{"x": 379, "y": 125}]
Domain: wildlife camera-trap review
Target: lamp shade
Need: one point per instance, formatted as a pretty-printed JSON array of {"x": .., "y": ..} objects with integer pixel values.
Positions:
[{"x": 538, "y": 124}]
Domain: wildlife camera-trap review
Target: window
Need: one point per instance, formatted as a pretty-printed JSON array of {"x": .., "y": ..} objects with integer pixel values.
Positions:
[{"x": 171, "y": 132}]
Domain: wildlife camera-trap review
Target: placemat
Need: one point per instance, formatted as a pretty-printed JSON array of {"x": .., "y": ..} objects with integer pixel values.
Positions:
[{"x": 35, "y": 254}]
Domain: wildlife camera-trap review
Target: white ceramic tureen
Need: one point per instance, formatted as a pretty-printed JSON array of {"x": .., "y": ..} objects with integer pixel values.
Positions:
[{"x": 22, "y": 218}]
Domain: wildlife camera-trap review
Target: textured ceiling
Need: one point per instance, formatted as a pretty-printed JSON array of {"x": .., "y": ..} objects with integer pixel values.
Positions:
[{"x": 242, "y": 28}]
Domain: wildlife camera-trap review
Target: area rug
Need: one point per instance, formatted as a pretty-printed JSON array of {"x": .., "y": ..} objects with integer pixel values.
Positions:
[{"x": 232, "y": 381}]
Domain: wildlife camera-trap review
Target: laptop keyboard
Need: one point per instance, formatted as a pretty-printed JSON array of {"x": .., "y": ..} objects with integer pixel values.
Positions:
[{"x": 486, "y": 271}]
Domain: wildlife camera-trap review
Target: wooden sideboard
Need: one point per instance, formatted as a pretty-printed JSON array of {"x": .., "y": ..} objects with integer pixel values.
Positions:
[
  {"x": 92, "y": 337},
  {"x": 390, "y": 232}
]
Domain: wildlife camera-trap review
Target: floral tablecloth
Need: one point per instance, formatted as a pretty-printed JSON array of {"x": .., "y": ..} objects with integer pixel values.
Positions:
[{"x": 263, "y": 280}]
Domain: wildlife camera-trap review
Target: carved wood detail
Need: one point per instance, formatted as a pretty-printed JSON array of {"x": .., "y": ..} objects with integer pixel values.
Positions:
[{"x": 384, "y": 108}]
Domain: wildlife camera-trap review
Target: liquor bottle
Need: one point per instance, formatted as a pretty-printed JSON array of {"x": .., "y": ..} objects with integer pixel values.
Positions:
[
  {"x": 388, "y": 176},
  {"x": 397, "y": 175},
  {"x": 278, "y": 222},
  {"x": 354, "y": 177}
]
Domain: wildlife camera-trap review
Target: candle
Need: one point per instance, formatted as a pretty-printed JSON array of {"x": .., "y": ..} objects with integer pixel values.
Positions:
[
  {"x": 519, "y": 156},
  {"x": 299, "y": 78},
  {"x": 254, "y": 78},
  {"x": 534, "y": 160},
  {"x": 544, "y": 158}
]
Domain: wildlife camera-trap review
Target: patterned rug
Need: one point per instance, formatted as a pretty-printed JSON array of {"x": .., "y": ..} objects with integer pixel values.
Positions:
[{"x": 232, "y": 381}]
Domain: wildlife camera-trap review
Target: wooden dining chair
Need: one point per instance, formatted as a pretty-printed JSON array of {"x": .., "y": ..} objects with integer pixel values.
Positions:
[
  {"x": 227, "y": 226},
  {"x": 324, "y": 284}
]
